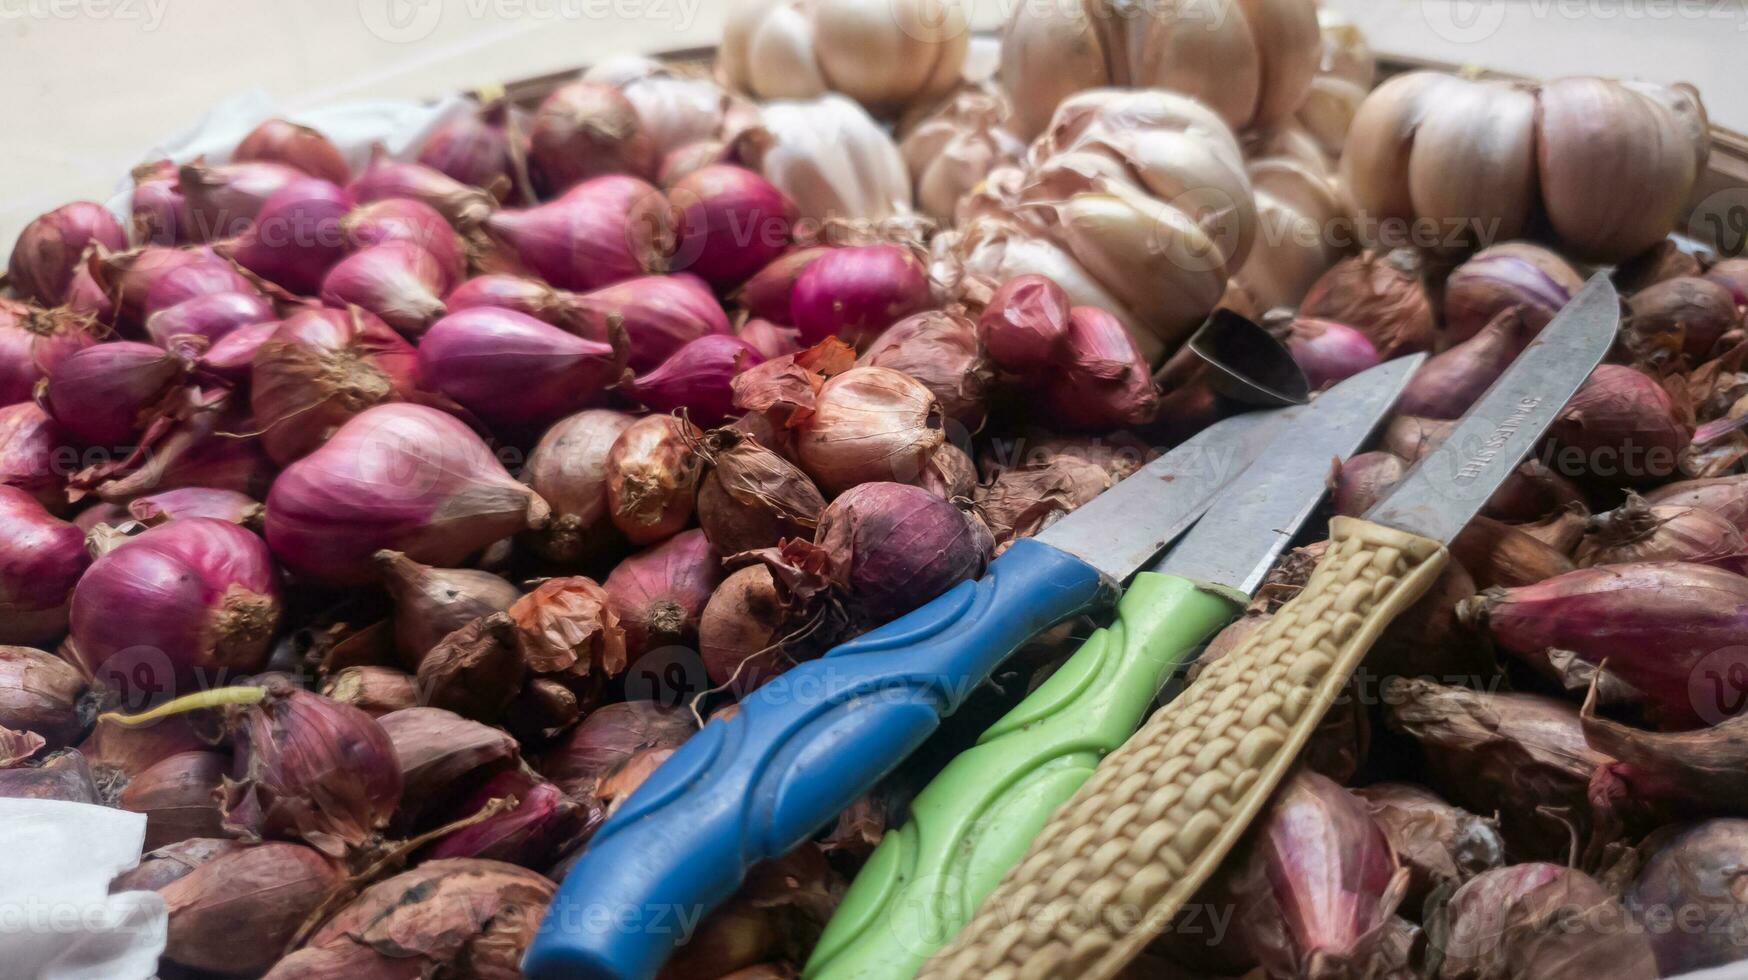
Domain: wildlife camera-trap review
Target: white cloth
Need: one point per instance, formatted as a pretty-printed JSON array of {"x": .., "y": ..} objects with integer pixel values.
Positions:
[{"x": 57, "y": 918}]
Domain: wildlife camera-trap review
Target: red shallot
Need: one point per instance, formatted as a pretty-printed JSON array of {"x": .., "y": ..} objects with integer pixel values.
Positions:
[
  {"x": 35, "y": 453},
  {"x": 204, "y": 601},
  {"x": 50, "y": 249},
  {"x": 107, "y": 394},
  {"x": 441, "y": 755},
  {"x": 1678, "y": 318},
  {"x": 431, "y": 603},
  {"x": 769, "y": 339},
  {"x": 1364, "y": 479},
  {"x": 1539, "y": 920},
  {"x": 283, "y": 141},
  {"x": 397, "y": 476},
  {"x": 474, "y": 149},
  {"x": 515, "y": 370},
  {"x": 221, "y": 201},
  {"x": 475, "y": 671},
  {"x": 746, "y": 634},
  {"x": 1689, "y": 897},
  {"x": 659, "y": 593},
  {"x": 1381, "y": 296},
  {"x": 660, "y": 314},
  {"x": 1025, "y": 324},
  {"x": 600, "y": 232},
  {"x": 1638, "y": 531},
  {"x": 733, "y": 223},
  {"x": 855, "y": 293},
  {"x": 1102, "y": 380},
  {"x": 43, "y": 694},
  {"x": 752, "y": 497},
  {"x": 1732, "y": 274},
  {"x": 587, "y": 129},
  {"x": 179, "y": 796},
  {"x": 297, "y": 236},
  {"x": 543, "y": 825},
  {"x": 870, "y": 423},
  {"x": 1328, "y": 351},
  {"x": 170, "y": 505},
  {"x": 697, "y": 378},
  {"x": 232, "y": 357},
  {"x": 652, "y": 478},
  {"x": 568, "y": 469},
  {"x": 1448, "y": 383},
  {"x": 33, "y": 343},
  {"x": 941, "y": 350},
  {"x": 465, "y": 207},
  {"x": 320, "y": 369},
  {"x": 1518, "y": 275},
  {"x": 236, "y": 913},
  {"x": 414, "y": 222},
  {"x": 1438, "y": 843},
  {"x": 1619, "y": 429},
  {"x": 400, "y": 282},
  {"x": 770, "y": 292},
  {"x": 608, "y": 739},
  {"x": 376, "y": 691},
  {"x": 212, "y": 317}
]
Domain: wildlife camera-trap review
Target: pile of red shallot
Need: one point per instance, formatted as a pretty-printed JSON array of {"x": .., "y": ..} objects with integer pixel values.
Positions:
[{"x": 375, "y": 527}]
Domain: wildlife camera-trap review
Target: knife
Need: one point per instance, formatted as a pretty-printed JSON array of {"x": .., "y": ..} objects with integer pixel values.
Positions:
[
  {"x": 978, "y": 816},
  {"x": 1115, "y": 863},
  {"x": 807, "y": 743},
  {"x": 975, "y": 819}
]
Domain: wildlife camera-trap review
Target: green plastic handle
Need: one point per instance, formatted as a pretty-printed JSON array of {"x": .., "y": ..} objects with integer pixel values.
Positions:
[{"x": 978, "y": 817}]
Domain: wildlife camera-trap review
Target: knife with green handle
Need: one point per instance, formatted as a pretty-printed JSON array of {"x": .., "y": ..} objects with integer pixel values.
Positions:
[{"x": 976, "y": 818}]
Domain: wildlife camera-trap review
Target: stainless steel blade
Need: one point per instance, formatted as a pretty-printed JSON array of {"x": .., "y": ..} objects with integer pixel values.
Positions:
[
  {"x": 1123, "y": 529},
  {"x": 1242, "y": 534},
  {"x": 1449, "y": 486}
]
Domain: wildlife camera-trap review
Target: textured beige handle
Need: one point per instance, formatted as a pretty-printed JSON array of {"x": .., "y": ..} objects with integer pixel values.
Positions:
[{"x": 1117, "y": 862}]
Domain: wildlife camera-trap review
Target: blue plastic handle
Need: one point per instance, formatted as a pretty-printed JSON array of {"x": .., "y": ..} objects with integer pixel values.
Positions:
[{"x": 803, "y": 747}]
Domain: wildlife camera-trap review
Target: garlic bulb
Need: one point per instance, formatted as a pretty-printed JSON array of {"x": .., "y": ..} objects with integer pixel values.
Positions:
[
  {"x": 1252, "y": 61},
  {"x": 1306, "y": 223},
  {"x": 953, "y": 148},
  {"x": 1345, "y": 72},
  {"x": 830, "y": 157},
  {"x": 885, "y": 54},
  {"x": 676, "y": 109},
  {"x": 1134, "y": 201},
  {"x": 1453, "y": 162}
]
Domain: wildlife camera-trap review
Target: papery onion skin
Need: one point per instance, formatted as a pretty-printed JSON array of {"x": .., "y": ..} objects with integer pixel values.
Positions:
[
  {"x": 454, "y": 917},
  {"x": 474, "y": 671},
  {"x": 320, "y": 369},
  {"x": 1694, "y": 877},
  {"x": 105, "y": 395},
  {"x": 1379, "y": 295},
  {"x": 585, "y": 130},
  {"x": 1498, "y": 278},
  {"x": 769, "y": 339},
  {"x": 431, "y": 603},
  {"x": 732, "y": 223},
  {"x": 941, "y": 350},
  {"x": 1025, "y": 323},
  {"x": 567, "y": 627},
  {"x": 857, "y": 292},
  {"x": 600, "y": 232},
  {"x": 742, "y": 629},
  {"x": 1506, "y": 555},
  {"x": 41, "y": 693},
  {"x": 1023, "y": 500},
  {"x": 515, "y": 370},
  {"x": 463, "y": 206},
  {"x": 59, "y": 776},
  {"x": 41, "y": 560},
  {"x": 1653, "y": 622},
  {"x": 752, "y": 497},
  {"x": 296, "y": 238},
  {"x": 870, "y": 423},
  {"x": 35, "y": 453},
  {"x": 1328, "y": 351},
  {"x": 542, "y": 825},
  {"x": 652, "y": 478},
  {"x": 608, "y": 738},
  {"x": 237, "y": 912},
  {"x": 1726, "y": 496},
  {"x": 697, "y": 379},
  {"x": 660, "y": 314},
  {"x": 1680, "y": 317},
  {"x": 1540, "y": 920},
  {"x": 400, "y": 282},
  {"x": 376, "y": 691},
  {"x": 128, "y": 277},
  {"x": 172, "y": 862},
  {"x": 1619, "y": 429},
  {"x": 33, "y": 343},
  {"x": 49, "y": 249},
  {"x": 203, "y": 600},
  {"x": 660, "y": 592},
  {"x": 1435, "y": 841},
  {"x": 310, "y": 768},
  {"x": 568, "y": 469},
  {"x": 283, "y": 141},
  {"x": 1508, "y": 754},
  {"x": 1449, "y": 383},
  {"x": 1638, "y": 531},
  {"x": 397, "y": 476},
  {"x": 178, "y": 797},
  {"x": 442, "y": 754}
]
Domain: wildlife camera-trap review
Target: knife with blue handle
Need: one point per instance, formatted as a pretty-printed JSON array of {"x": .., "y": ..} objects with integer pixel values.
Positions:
[{"x": 809, "y": 742}]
